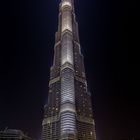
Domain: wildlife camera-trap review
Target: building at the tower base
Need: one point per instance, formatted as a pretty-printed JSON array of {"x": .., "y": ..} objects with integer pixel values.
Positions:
[{"x": 13, "y": 134}]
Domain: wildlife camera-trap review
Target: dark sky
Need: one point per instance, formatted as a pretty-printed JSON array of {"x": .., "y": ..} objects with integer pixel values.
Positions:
[{"x": 26, "y": 54}]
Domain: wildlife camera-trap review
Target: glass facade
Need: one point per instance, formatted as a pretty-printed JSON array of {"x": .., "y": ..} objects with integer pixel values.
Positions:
[
  {"x": 67, "y": 49},
  {"x": 67, "y": 86},
  {"x": 66, "y": 15},
  {"x": 67, "y": 102}
]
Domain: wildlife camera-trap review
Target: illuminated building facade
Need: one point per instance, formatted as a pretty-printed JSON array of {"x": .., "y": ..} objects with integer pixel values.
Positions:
[
  {"x": 68, "y": 113},
  {"x": 13, "y": 134}
]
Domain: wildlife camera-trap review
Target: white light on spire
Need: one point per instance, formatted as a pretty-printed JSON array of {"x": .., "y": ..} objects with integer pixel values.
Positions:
[{"x": 66, "y": 3}]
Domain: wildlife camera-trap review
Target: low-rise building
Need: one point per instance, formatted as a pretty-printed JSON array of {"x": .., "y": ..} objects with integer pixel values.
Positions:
[{"x": 13, "y": 134}]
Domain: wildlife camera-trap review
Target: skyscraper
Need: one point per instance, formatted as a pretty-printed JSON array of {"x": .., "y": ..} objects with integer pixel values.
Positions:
[{"x": 68, "y": 112}]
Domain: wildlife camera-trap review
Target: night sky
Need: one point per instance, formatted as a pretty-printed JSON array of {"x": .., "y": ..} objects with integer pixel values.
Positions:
[{"x": 26, "y": 53}]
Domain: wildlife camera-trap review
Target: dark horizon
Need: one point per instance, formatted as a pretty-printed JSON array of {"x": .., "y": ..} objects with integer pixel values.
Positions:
[{"x": 28, "y": 36}]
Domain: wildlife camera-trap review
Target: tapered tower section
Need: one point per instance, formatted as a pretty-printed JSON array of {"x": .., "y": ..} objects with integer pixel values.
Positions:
[{"x": 68, "y": 112}]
